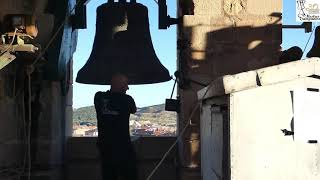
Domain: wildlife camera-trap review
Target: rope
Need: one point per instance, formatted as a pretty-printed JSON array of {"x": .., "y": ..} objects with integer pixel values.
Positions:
[
  {"x": 29, "y": 71},
  {"x": 25, "y": 135},
  {"x": 174, "y": 85},
  {"x": 179, "y": 137},
  {"x": 308, "y": 41}
]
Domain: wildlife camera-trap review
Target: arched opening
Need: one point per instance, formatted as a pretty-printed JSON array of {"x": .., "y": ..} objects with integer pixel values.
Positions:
[{"x": 151, "y": 119}]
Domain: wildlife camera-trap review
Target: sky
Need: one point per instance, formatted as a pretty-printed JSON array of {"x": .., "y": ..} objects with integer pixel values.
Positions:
[
  {"x": 164, "y": 42},
  {"x": 294, "y": 37}
]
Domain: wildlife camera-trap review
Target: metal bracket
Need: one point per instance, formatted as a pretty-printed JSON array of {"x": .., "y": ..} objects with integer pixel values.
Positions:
[
  {"x": 18, "y": 45},
  {"x": 79, "y": 19},
  {"x": 287, "y": 132},
  {"x": 165, "y": 21},
  {"x": 307, "y": 26},
  {"x": 184, "y": 82}
]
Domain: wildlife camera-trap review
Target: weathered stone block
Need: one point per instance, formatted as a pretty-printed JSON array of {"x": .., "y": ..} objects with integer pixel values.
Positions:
[
  {"x": 11, "y": 153},
  {"x": 196, "y": 62},
  {"x": 256, "y": 20},
  {"x": 75, "y": 148},
  {"x": 151, "y": 148},
  {"x": 49, "y": 152},
  {"x": 190, "y": 174},
  {"x": 1, "y": 88},
  {"x": 166, "y": 171},
  {"x": 236, "y": 58},
  {"x": 248, "y": 34},
  {"x": 11, "y": 121},
  {"x": 264, "y": 7},
  {"x": 202, "y": 20},
  {"x": 250, "y": 28},
  {"x": 84, "y": 170},
  {"x": 233, "y": 7},
  {"x": 202, "y": 77},
  {"x": 191, "y": 153},
  {"x": 208, "y": 7},
  {"x": 226, "y": 34},
  {"x": 203, "y": 37}
]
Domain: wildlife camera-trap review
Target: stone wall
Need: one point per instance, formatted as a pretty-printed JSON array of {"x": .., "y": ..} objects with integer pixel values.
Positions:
[
  {"x": 46, "y": 129},
  {"x": 218, "y": 37},
  {"x": 42, "y": 139},
  {"x": 12, "y": 134},
  {"x": 84, "y": 163}
]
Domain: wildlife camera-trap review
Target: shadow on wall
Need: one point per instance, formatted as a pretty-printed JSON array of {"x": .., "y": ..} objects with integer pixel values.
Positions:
[
  {"x": 230, "y": 50},
  {"x": 219, "y": 47},
  {"x": 186, "y": 7}
]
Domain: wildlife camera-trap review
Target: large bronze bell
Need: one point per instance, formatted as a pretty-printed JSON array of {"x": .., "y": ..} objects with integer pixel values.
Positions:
[
  {"x": 315, "y": 50},
  {"x": 122, "y": 44}
]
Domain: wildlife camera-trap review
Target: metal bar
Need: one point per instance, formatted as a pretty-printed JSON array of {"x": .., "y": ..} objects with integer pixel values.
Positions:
[
  {"x": 307, "y": 26},
  {"x": 292, "y": 26}
]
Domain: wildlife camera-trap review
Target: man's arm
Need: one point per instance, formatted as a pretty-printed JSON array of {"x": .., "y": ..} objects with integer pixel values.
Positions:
[
  {"x": 132, "y": 105},
  {"x": 96, "y": 100}
]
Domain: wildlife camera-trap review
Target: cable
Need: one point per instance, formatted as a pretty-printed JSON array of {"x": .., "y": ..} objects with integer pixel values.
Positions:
[
  {"x": 10, "y": 45},
  {"x": 174, "y": 85},
  {"x": 308, "y": 41},
  {"x": 25, "y": 134},
  {"x": 182, "y": 132},
  {"x": 28, "y": 134},
  {"x": 29, "y": 71},
  {"x": 156, "y": 1}
]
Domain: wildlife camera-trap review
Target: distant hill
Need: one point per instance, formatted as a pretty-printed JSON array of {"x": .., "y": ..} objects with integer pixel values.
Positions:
[
  {"x": 84, "y": 114},
  {"x": 154, "y": 114}
]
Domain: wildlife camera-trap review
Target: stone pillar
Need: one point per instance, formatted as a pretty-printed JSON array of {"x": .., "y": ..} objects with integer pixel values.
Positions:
[
  {"x": 12, "y": 119},
  {"x": 219, "y": 37}
]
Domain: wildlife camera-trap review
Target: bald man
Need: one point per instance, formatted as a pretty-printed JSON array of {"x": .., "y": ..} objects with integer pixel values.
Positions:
[{"x": 113, "y": 109}]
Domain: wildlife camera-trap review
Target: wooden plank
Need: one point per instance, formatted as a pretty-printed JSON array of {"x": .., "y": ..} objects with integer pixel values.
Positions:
[
  {"x": 239, "y": 82},
  {"x": 288, "y": 71},
  {"x": 215, "y": 88},
  {"x": 259, "y": 149},
  {"x": 265, "y": 76},
  {"x": 5, "y": 59}
]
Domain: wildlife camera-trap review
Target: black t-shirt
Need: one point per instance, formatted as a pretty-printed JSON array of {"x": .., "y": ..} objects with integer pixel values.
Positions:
[{"x": 113, "y": 111}]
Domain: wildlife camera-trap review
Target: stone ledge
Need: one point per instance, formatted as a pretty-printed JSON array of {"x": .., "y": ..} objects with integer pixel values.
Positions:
[
  {"x": 224, "y": 21},
  {"x": 205, "y": 20},
  {"x": 261, "y": 77},
  {"x": 84, "y": 148}
]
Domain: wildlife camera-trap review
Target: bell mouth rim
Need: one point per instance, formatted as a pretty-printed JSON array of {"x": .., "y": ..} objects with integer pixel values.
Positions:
[{"x": 140, "y": 82}]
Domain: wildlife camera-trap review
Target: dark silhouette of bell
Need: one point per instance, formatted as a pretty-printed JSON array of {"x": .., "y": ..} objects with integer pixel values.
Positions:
[
  {"x": 315, "y": 50},
  {"x": 122, "y": 44}
]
